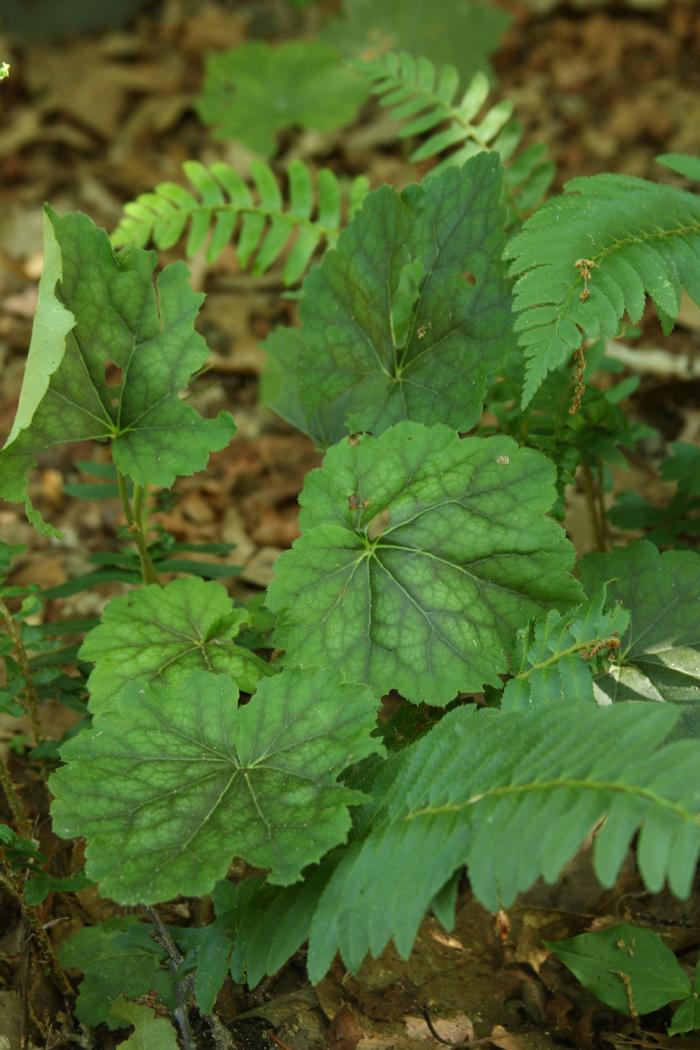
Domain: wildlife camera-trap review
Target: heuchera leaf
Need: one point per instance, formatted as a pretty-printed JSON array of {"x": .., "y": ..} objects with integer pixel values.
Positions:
[
  {"x": 624, "y": 961},
  {"x": 118, "y": 957},
  {"x": 254, "y": 90},
  {"x": 420, "y": 557},
  {"x": 409, "y": 317},
  {"x": 150, "y": 1031},
  {"x": 97, "y": 309},
  {"x": 177, "y": 782},
  {"x": 659, "y": 656},
  {"x": 162, "y": 634},
  {"x": 555, "y": 657},
  {"x": 461, "y": 32}
]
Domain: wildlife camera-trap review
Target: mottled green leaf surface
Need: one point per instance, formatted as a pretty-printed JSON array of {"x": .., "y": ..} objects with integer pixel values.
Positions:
[
  {"x": 409, "y": 317},
  {"x": 118, "y": 957},
  {"x": 660, "y": 652},
  {"x": 177, "y": 782},
  {"x": 254, "y": 90},
  {"x": 420, "y": 557},
  {"x": 162, "y": 634},
  {"x": 625, "y": 959},
  {"x": 110, "y": 353},
  {"x": 150, "y": 1031},
  {"x": 463, "y": 32},
  {"x": 555, "y": 658}
]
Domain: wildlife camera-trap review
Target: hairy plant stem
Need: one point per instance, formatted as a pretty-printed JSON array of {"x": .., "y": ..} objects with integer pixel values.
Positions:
[
  {"x": 595, "y": 509},
  {"x": 31, "y": 916},
  {"x": 135, "y": 524},
  {"x": 14, "y": 802},
  {"x": 602, "y": 512},
  {"x": 31, "y": 700},
  {"x": 162, "y": 936}
]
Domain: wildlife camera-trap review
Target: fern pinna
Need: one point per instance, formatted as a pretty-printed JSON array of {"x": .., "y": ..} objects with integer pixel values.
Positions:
[
  {"x": 425, "y": 98},
  {"x": 261, "y": 229},
  {"x": 590, "y": 256}
]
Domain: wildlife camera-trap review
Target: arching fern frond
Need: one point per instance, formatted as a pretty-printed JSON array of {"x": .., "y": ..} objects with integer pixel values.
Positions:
[
  {"x": 260, "y": 224},
  {"x": 511, "y": 795},
  {"x": 590, "y": 256},
  {"x": 428, "y": 100}
]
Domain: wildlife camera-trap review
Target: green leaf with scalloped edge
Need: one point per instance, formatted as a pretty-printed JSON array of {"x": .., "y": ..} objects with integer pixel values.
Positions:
[
  {"x": 162, "y": 634},
  {"x": 409, "y": 317},
  {"x": 462, "y": 32},
  {"x": 254, "y": 90},
  {"x": 177, "y": 781},
  {"x": 150, "y": 1031},
  {"x": 117, "y": 957},
  {"x": 659, "y": 657},
  {"x": 420, "y": 556},
  {"x": 100, "y": 318}
]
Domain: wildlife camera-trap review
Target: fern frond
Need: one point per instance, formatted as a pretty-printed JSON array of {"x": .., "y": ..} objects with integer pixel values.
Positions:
[
  {"x": 586, "y": 258},
  {"x": 428, "y": 100},
  {"x": 511, "y": 796},
  {"x": 260, "y": 224}
]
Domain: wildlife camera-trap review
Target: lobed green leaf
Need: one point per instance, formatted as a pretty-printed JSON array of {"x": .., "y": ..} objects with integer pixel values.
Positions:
[
  {"x": 408, "y": 318},
  {"x": 177, "y": 781},
  {"x": 419, "y": 27},
  {"x": 97, "y": 309},
  {"x": 163, "y": 634},
  {"x": 420, "y": 557},
  {"x": 254, "y": 90}
]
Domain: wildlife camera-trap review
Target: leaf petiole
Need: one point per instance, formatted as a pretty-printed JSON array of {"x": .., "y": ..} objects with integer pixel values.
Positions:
[{"x": 133, "y": 515}]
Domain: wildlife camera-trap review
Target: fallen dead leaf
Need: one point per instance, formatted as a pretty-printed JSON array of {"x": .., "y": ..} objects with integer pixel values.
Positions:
[
  {"x": 502, "y": 1038},
  {"x": 441, "y": 937},
  {"x": 345, "y": 1030},
  {"x": 260, "y": 570}
]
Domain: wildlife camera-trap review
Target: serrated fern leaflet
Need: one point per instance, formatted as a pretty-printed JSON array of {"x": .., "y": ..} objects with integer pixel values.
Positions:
[
  {"x": 592, "y": 255},
  {"x": 425, "y": 99},
  {"x": 261, "y": 226}
]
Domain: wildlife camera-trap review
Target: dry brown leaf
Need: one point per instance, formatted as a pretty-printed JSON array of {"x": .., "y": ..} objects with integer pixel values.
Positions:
[
  {"x": 503, "y": 1039},
  {"x": 260, "y": 570},
  {"x": 345, "y": 1030},
  {"x": 441, "y": 937}
]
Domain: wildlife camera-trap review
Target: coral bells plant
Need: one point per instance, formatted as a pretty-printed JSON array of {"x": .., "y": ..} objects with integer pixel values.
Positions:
[{"x": 562, "y": 694}]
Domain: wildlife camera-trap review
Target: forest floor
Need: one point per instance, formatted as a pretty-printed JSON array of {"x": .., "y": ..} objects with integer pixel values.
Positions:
[{"x": 93, "y": 122}]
